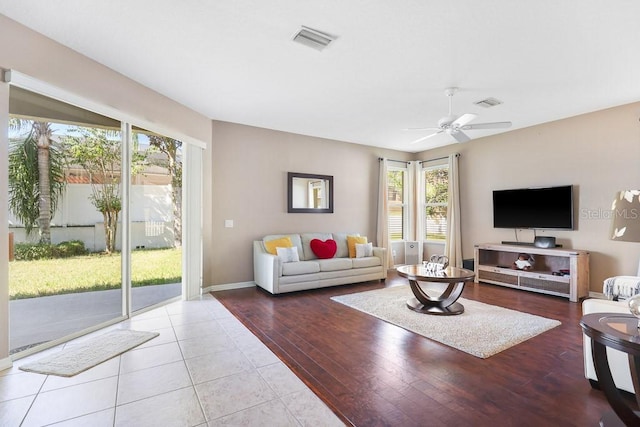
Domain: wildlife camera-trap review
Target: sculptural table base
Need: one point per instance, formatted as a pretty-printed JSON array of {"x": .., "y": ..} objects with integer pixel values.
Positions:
[
  {"x": 610, "y": 419},
  {"x": 444, "y": 304}
]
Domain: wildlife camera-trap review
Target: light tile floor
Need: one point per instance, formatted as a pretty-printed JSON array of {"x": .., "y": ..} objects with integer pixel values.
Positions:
[{"x": 204, "y": 369}]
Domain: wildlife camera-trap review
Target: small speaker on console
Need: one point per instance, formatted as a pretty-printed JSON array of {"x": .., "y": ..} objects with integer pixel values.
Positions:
[{"x": 544, "y": 242}]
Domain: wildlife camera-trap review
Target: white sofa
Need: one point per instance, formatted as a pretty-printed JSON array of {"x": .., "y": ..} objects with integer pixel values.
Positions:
[
  {"x": 275, "y": 276},
  {"x": 618, "y": 361}
]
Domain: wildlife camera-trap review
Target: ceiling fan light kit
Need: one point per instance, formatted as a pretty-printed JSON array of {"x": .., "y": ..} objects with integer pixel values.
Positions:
[{"x": 454, "y": 125}]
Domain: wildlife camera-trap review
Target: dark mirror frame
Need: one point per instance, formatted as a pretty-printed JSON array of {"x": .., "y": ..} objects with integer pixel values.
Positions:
[{"x": 291, "y": 209}]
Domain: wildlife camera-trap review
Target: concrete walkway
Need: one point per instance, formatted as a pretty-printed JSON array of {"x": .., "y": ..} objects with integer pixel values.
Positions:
[{"x": 42, "y": 319}]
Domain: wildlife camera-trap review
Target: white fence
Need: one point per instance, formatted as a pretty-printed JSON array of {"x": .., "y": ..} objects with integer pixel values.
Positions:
[{"x": 77, "y": 219}]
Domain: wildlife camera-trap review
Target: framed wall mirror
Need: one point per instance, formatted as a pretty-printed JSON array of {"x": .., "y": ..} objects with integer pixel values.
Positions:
[{"x": 309, "y": 193}]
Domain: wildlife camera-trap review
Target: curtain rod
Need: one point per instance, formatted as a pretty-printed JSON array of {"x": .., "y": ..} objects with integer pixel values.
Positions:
[
  {"x": 439, "y": 158},
  {"x": 421, "y": 161},
  {"x": 391, "y": 160}
]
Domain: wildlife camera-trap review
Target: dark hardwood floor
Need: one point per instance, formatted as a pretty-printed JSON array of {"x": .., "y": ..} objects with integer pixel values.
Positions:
[{"x": 372, "y": 373}]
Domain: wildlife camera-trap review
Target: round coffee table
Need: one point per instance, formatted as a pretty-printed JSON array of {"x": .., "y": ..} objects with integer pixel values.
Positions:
[{"x": 444, "y": 304}]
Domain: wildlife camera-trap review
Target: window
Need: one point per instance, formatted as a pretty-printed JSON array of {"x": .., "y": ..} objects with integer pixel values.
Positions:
[
  {"x": 396, "y": 183},
  {"x": 436, "y": 185}
]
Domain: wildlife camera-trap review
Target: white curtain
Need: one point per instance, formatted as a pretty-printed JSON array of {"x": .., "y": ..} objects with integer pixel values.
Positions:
[
  {"x": 382, "y": 232},
  {"x": 453, "y": 246},
  {"x": 417, "y": 202}
]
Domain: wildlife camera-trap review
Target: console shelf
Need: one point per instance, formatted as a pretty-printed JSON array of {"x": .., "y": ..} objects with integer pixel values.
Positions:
[{"x": 493, "y": 264}]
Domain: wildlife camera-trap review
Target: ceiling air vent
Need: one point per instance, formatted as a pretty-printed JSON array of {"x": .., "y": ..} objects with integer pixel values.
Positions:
[
  {"x": 488, "y": 103},
  {"x": 313, "y": 38}
]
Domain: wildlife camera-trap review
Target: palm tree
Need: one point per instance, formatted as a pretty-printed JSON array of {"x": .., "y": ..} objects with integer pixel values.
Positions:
[
  {"x": 42, "y": 133},
  {"x": 36, "y": 177}
]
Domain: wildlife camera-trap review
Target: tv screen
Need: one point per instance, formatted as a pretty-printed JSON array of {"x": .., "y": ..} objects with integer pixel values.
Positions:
[{"x": 542, "y": 208}]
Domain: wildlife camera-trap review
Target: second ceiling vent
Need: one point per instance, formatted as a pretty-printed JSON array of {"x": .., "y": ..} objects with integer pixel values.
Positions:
[
  {"x": 488, "y": 102},
  {"x": 313, "y": 38}
]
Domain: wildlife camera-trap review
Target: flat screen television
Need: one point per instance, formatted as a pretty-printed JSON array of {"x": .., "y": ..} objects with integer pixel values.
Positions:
[{"x": 541, "y": 208}]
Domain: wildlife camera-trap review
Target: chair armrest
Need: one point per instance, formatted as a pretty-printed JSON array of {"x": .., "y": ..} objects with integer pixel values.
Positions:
[{"x": 267, "y": 268}]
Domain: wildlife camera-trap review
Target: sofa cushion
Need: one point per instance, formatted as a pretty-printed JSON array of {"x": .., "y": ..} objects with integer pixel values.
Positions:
[
  {"x": 295, "y": 240},
  {"x": 324, "y": 250},
  {"x": 351, "y": 243},
  {"x": 272, "y": 245},
  {"x": 354, "y": 272},
  {"x": 364, "y": 250},
  {"x": 341, "y": 243},
  {"x": 301, "y": 278},
  {"x": 335, "y": 264},
  {"x": 306, "y": 239},
  {"x": 302, "y": 267},
  {"x": 366, "y": 262},
  {"x": 288, "y": 254}
]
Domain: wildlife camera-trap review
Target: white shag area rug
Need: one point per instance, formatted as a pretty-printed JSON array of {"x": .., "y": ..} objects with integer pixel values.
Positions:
[
  {"x": 482, "y": 330},
  {"x": 87, "y": 354}
]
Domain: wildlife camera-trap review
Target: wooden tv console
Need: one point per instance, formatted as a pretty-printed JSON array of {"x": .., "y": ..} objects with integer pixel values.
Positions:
[{"x": 493, "y": 264}]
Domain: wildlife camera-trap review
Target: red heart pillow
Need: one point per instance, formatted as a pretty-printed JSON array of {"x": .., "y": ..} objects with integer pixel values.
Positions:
[{"x": 324, "y": 250}]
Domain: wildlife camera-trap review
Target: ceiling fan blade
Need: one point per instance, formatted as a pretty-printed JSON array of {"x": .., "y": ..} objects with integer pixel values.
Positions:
[
  {"x": 463, "y": 120},
  {"x": 460, "y": 136},
  {"x": 426, "y": 137},
  {"x": 421, "y": 129},
  {"x": 495, "y": 125}
]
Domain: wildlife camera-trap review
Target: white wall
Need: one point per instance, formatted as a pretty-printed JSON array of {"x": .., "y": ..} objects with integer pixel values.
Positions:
[
  {"x": 150, "y": 203},
  {"x": 77, "y": 219},
  {"x": 35, "y": 55}
]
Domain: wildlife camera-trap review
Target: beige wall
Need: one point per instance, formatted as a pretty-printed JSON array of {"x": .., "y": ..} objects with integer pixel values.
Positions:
[
  {"x": 37, "y": 56},
  {"x": 599, "y": 153},
  {"x": 249, "y": 173}
]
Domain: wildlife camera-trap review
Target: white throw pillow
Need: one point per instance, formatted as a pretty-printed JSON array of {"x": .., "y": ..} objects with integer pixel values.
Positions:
[
  {"x": 288, "y": 254},
  {"x": 364, "y": 250}
]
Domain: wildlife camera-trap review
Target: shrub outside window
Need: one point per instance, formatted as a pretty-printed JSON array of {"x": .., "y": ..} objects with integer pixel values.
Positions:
[
  {"x": 396, "y": 180},
  {"x": 436, "y": 185}
]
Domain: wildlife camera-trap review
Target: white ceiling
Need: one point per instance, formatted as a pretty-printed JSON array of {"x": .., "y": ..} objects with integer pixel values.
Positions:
[{"x": 235, "y": 60}]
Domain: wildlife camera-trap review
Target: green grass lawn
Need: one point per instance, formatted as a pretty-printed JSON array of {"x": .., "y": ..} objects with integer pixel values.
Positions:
[{"x": 95, "y": 272}]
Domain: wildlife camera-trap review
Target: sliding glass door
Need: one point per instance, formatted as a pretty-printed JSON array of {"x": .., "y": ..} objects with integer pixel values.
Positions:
[
  {"x": 156, "y": 219},
  {"x": 95, "y": 220},
  {"x": 64, "y": 199}
]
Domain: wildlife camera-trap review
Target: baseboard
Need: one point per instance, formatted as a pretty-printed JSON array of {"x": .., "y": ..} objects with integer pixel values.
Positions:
[
  {"x": 228, "y": 286},
  {"x": 5, "y": 363}
]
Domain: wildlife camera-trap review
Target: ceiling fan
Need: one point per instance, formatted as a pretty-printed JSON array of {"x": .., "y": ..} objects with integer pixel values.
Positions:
[{"x": 455, "y": 125}]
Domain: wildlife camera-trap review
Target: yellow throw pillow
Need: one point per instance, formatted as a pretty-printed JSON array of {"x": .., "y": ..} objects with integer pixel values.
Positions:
[
  {"x": 283, "y": 242},
  {"x": 351, "y": 243}
]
